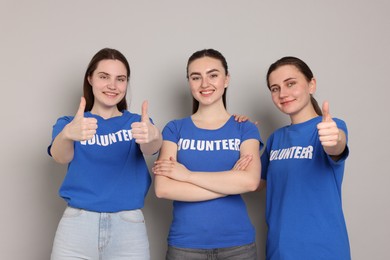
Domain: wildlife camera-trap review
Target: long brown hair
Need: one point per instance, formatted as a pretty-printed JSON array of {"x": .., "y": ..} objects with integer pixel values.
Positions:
[
  {"x": 212, "y": 54},
  {"x": 103, "y": 54},
  {"x": 303, "y": 68}
]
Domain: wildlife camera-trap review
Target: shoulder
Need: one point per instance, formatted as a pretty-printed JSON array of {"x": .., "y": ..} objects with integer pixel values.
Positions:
[
  {"x": 127, "y": 113},
  {"x": 241, "y": 125},
  {"x": 64, "y": 119},
  {"x": 176, "y": 125},
  {"x": 129, "y": 116},
  {"x": 276, "y": 134},
  {"x": 178, "y": 122},
  {"x": 340, "y": 122},
  {"x": 247, "y": 124},
  {"x": 279, "y": 130},
  {"x": 249, "y": 128}
]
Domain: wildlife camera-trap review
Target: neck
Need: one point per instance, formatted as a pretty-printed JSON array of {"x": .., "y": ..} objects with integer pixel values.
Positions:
[
  {"x": 211, "y": 112},
  {"x": 106, "y": 113},
  {"x": 208, "y": 117},
  {"x": 302, "y": 117}
]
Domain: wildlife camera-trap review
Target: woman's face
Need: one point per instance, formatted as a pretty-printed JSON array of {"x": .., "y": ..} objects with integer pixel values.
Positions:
[
  {"x": 208, "y": 80},
  {"x": 109, "y": 83},
  {"x": 291, "y": 91}
]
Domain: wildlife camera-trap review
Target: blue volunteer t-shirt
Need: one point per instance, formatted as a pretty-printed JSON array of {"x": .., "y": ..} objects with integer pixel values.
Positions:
[
  {"x": 303, "y": 209},
  {"x": 217, "y": 223},
  {"x": 108, "y": 173}
]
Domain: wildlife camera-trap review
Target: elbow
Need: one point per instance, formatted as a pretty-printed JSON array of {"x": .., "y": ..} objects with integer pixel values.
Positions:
[
  {"x": 61, "y": 157},
  {"x": 160, "y": 191},
  {"x": 61, "y": 160},
  {"x": 254, "y": 181},
  {"x": 253, "y": 184}
]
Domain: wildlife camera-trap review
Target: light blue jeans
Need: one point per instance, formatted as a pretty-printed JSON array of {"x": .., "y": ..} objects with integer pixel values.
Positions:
[{"x": 90, "y": 235}]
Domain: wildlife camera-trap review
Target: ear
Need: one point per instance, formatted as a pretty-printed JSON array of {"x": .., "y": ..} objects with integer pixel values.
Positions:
[
  {"x": 89, "y": 80},
  {"x": 227, "y": 80},
  {"x": 312, "y": 86}
]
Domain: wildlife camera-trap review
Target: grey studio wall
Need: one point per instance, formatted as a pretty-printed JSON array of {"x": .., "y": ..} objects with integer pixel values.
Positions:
[{"x": 45, "y": 48}]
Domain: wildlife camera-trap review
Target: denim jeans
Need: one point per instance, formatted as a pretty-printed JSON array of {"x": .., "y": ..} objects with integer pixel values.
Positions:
[
  {"x": 90, "y": 235},
  {"x": 246, "y": 252}
]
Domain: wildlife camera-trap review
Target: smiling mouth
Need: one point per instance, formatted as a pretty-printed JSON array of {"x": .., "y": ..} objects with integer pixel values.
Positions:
[
  {"x": 206, "y": 92},
  {"x": 284, "y": 103},
  {"x": 110, "y": 94}
]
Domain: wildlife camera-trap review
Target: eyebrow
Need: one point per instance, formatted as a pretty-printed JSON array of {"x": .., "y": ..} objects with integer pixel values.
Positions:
[
  {"x": 212, "y": 70},
  {"x": 288, "y": 79},
  {"x": 208, "y": 72},
  {"x": 107, "y": 74}
]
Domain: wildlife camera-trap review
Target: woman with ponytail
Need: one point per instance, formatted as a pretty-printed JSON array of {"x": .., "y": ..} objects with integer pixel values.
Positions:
[{"x": 303, "y": 166}]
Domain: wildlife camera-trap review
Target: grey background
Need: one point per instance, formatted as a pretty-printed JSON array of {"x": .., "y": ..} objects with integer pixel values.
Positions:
[{"x": 46, "y": 46}]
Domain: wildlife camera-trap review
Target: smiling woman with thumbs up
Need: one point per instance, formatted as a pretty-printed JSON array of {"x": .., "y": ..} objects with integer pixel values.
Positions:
[
  {"x": 107, "y": 178},
  {"x": 303, "y": 166}
]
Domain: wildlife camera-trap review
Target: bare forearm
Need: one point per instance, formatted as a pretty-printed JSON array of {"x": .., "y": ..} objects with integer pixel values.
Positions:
[
  {"x": 167, "y": 188},
  {"x": 62, "y": 149},
  {"x": 233, "y": 181},
  {"x": 227, "y": 182}
]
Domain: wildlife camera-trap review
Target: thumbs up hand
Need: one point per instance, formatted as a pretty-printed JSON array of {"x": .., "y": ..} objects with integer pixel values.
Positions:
[
  {"x": 144, "y": 132},
  {"x": 328, "y": 131},
  {"x": 81, "y": 128}
]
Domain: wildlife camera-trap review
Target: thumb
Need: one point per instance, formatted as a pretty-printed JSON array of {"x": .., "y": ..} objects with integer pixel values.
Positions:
[
  {"x": 172, "y": 159},
  {"x": 81, "y": 109},
  {"x": 325, "y": 112},
  {"x": 144, "y": 112}
]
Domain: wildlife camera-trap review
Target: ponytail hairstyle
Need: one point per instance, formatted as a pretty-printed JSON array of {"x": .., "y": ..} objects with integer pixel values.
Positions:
[{"x": 303, "y": 68}]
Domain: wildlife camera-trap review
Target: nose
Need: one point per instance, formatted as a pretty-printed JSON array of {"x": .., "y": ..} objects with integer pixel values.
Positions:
[
  {"x": 112, "y": 84},
  {"x": 282, "y": 92},
  {"x": 205, "y": 82}
]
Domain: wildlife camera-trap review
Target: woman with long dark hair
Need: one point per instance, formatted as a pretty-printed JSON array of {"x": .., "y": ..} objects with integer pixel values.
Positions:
[{"x": 107, "y": 177}]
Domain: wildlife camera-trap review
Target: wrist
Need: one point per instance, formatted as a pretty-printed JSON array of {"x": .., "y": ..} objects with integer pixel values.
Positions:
[{"x": 65, "y": 133}]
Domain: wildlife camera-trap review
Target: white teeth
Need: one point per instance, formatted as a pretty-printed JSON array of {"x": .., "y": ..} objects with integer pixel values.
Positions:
[{"x": 206, "y": 92}]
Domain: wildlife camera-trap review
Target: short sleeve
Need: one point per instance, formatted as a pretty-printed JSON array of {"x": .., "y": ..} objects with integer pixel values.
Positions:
[
  {"x": 250, "y": 131},
  {"x": 57, "y": 128},
  {"x": 170, "y": 132}
]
